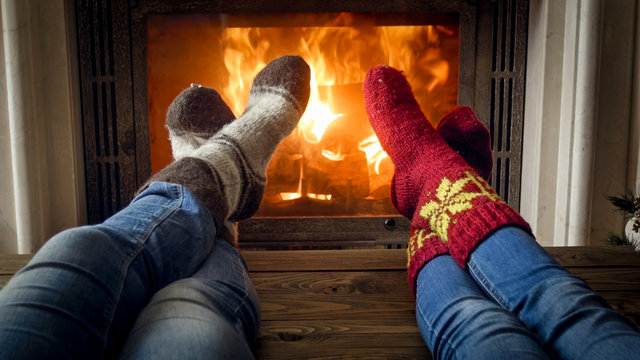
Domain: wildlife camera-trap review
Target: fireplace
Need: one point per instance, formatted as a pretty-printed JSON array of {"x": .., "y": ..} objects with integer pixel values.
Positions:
[
  {"x": 333, "y": 164},
  {"x": 327, "y": 183}
]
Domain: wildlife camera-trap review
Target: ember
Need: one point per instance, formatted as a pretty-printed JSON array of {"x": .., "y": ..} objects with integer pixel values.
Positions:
[{"x": 332, "y": 164}]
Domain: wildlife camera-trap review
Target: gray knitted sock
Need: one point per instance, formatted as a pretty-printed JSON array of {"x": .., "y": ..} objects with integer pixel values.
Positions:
[
  {"x": 195, "y": 115},
  {"x": 228, "y": 172},
  {"x": 240, "y": 152}
]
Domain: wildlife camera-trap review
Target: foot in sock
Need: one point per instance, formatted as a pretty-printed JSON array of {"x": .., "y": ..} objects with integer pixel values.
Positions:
[
  {"x": 465, "y": 134},
  {"x": 228, "y": 171},
  {"x": 450, "y": 206},
  {"x": 277, "y": 100},
  {"x": 195, "y": 115}
]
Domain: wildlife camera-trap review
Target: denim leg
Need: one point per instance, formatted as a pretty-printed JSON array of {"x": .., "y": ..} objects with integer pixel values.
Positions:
[
  {"x": 213, "y": 314},
  {"x": 80, "y": 294},
  {"x": 567, "y": 317},
  {"x": 458, "y": 321}
]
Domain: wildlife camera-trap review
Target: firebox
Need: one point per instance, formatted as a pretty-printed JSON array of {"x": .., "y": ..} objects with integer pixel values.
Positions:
[{"x": 327, "y": 183}]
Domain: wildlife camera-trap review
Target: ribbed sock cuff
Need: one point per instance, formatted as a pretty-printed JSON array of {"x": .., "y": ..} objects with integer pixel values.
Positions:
[
  {"x": 423, "y": 246},
  {"x": 474, "y": 226}
]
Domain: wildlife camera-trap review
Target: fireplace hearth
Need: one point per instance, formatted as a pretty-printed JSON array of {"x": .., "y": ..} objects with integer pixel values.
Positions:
[{"x": 120, "y": 105}]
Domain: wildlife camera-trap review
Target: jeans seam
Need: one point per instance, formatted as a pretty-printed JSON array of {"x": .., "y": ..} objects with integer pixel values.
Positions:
[
  {"x": 135, "y": 252},
  {"x": 481, "y": 280},
  {"x": 245, "y": 293},
  {"x": 432, "y": 331}
]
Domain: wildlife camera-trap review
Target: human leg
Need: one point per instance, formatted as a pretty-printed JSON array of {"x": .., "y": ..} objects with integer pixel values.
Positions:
[
  {"x": 433, "y": 185},
  {"x": 212, "y": 314},
  {"x": 569, "y": 319},
  {"x": 451, "y": 203},
  {"x": 458, "y": 321},
  {"x": 455, "y": 317},
  {"x": 82, "y": 291},
  {"x": 234, "y": 160},
  {"x": 237, "y": 156},
  {"x": 224, "y": 178}
]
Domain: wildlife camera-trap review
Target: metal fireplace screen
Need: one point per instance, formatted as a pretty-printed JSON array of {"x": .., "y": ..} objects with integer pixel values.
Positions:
[{"x": 328, "y": 183}]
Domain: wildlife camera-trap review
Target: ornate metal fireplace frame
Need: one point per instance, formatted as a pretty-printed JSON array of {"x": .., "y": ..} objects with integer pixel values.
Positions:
[{"x": 111, "y": 43}]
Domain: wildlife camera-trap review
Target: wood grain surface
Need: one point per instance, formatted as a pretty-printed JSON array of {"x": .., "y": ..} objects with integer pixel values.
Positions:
[{"x": 355, "y": 304}]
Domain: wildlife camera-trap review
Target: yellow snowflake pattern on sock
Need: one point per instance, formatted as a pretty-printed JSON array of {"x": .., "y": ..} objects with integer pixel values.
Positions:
[
  {"x": 451, "y": 199},
  {"x": 416, "y": 241}
]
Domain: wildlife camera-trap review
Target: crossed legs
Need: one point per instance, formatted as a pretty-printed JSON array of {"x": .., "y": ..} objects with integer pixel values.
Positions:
[
  {"x": 484, "y": 288},
  {"x": 167, "y": 262}
]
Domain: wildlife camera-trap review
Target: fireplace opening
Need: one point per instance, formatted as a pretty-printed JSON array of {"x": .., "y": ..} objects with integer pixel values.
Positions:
[
  {"x": 128, "y": 76},
  {"x": 332, "y": 164}
]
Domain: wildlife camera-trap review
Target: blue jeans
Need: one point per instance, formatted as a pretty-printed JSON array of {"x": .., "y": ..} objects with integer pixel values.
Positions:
[
  {"x": 516, "y": 302},
  {"x": 154, "y": 277}
]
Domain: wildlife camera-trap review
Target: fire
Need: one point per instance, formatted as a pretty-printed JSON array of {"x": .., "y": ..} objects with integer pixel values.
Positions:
[
  {"x": 290, "y": 196},
  {"x": 287, "y": 196},
  {"x": 333, "y": 156},
  {"x": 318, "y": 115},
  {"x": 375, "y": 154},
  {"x": 431, "y": 61},
  {"x": 325, "y": 197},
  {"x": 337, "y": 156},
  {"x": 241, "y": 67},
  {"x": 335, "y": 60}
]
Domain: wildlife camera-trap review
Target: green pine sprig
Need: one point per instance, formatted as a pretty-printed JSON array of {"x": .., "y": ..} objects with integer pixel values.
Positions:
[
  {"x": 626, "y": 202},
  {"x": 615, "y": 239}
]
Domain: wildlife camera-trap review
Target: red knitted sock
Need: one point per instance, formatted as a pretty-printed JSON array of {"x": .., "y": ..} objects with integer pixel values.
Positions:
[
  {"x": 451, "y": 207},
  {"x": 465, "y": 134}
]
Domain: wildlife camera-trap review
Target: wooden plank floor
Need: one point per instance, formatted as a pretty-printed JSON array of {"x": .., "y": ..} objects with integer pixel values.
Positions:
[{"x": 337, "y": 304}]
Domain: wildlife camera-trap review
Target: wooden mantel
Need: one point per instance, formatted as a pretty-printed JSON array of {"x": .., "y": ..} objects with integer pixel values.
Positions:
[{"x": 337, "y": 304}]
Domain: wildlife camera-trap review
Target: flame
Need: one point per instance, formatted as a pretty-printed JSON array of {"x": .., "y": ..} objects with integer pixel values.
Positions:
[
  {"x": 337, "y": 57},
  {"x": 318, "y": 114},
  {"x": 403, "y": 57},
  {"x": 325, "y": 197},
  {"x": 287, "y": 196},
  {"x": 244, "y": 57},
  {"x": 330, "y": 53},
  {"x": 374, "y": 152},
  {"x": 339, "y": 156},
  {"x": 242, "y": 68}
]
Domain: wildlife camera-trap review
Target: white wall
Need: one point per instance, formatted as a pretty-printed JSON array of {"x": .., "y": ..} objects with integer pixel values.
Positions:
[
  {"x": 8, "y": 232},
  {"x": 541, "y": 141},
  {"x": 581, "y": 118},
  {"x": 633, "y": 175},
  {"x": 614, "y": 116},
  {"x": 42, "y": 190}
]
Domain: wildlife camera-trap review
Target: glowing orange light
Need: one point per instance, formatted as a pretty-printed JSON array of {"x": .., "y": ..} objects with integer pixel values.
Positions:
[
  {"x": 287, "y": 196},
  {"x": 333, "y": 156},
  {"x": 325, "y": 197},
  {"x": 374, "y": 152},
  {"x": 318, "y": 115},
  {"x": 290, "y": 196}
]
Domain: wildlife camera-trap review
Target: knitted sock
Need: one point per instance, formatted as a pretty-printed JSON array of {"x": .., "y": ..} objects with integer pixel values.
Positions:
[
  {"x": 450, "y": 206},
  {"x": 228, "y": 172},
  {"x": 465, "y": 134},
  {"x": 195, "y": 115}
]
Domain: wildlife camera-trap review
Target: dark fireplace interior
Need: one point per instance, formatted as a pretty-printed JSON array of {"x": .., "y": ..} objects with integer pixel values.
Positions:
[{"x": 328, "y": 183}]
